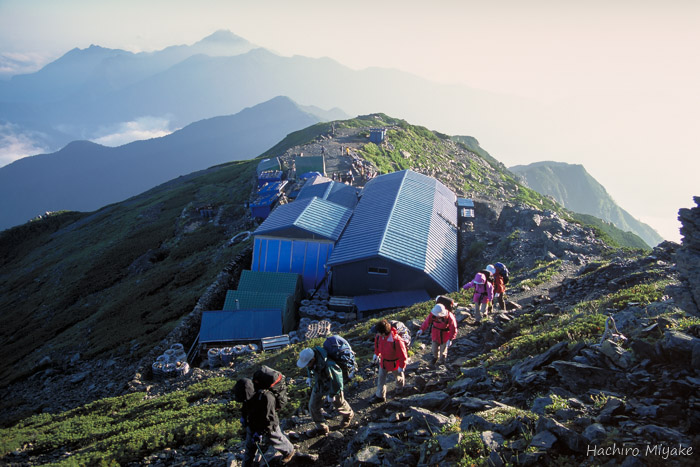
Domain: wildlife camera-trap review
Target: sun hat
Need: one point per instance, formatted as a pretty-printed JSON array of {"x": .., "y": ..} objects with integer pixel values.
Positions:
[
  {"x": 305, "y": 357},
  {"x": 439, "y": 310},
  {"x": 479, "y": 278},
  {"x": 491, "y": 269}
]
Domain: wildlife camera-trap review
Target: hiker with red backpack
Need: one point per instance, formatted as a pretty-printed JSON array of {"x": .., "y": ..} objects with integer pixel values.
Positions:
[
  {"x": 391, "y": 355},
  {"x": 327, "y": 380},
  {"x": 500, "y": 279},
  {"x": 443, "y": 328},
  {"x": 483, "y": 294},
  {"x": 259, "y": 418}
]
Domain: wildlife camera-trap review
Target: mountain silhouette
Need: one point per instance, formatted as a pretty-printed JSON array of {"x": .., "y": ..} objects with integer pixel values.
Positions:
[{"x": 85, "y": 176}]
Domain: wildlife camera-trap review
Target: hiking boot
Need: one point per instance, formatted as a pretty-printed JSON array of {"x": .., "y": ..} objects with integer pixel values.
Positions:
[
  {"x": 321, "y": 430},
  {"x": 378, "y": 400},
  {"x": 289, "y": 456},
  {"x": 347, "y": 420}
]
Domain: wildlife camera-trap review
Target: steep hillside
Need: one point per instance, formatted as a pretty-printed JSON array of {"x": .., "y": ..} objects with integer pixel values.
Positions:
[
  {"x": 95, "y": 296},
  {"x": 576, "y": 190},
  {"x": 84, "y": 176}
]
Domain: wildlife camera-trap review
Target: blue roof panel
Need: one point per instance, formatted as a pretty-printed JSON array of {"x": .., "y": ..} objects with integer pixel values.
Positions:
[
  {"x": 239, "y": 325},
  {"x": 325, "y": 188},
  {"x": 306, "y": 218}
]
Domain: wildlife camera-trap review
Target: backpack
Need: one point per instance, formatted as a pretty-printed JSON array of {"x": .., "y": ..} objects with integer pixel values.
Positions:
[
  {"x": 503, "y": 271},
  {"x": 272, "y": 380},
  {"x": 403, "y": 332},
  {"x": 340, "y": 351},
  {"x": 445, "y": 301}
]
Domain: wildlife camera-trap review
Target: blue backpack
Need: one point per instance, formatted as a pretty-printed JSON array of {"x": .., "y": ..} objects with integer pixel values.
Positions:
[
  {"x": 340, "y": 351},
  {"x": 503, "y": 270}
]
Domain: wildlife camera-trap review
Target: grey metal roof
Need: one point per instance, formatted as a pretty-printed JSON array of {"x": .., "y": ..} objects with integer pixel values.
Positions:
[
  {"x": 465, "y": 203},
  {"x": 325, "y": 188},
  {"x": 306, "y": 218},
  {"x": 406, "y": 217}
]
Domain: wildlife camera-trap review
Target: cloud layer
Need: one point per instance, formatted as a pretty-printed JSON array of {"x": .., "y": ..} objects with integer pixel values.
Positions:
[
  {"x": 16, "y": 143},
  {"x": 146, "y": 127}
]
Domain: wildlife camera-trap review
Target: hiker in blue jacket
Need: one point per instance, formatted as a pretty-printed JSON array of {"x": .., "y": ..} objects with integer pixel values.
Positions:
[{"x": 327, "y": 380}]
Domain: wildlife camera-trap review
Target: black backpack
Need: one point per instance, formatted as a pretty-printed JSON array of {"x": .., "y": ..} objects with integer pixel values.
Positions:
[
  {"x": 340, "y": 351},
  {"x": 272, "y": 380}
]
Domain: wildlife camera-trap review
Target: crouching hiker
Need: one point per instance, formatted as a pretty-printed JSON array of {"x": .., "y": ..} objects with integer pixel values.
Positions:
[
  {"x": 443, "y": 326},
  {"x": 483, "y": 294},
  {"x": 259, "y": 417},
  {"x": 326, "y": 380},
  {"x": 390, "y": 352}
]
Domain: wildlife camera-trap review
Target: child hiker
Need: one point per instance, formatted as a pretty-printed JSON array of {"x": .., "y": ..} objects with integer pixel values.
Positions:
[
  {"x": 483, "y": 294},
  {"x": 443, "y": 327},
  {"x": 390, "y": 352}
]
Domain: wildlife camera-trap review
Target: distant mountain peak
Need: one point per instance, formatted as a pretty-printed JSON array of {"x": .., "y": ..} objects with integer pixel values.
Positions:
[{"x": 223, "y": 35}]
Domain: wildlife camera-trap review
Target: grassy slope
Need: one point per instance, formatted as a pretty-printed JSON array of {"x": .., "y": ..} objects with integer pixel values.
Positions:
[{"x": 78, "y": 285}]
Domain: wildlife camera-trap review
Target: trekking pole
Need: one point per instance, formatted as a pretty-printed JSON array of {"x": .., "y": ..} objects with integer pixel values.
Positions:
[{"x": 261, "y": 453}]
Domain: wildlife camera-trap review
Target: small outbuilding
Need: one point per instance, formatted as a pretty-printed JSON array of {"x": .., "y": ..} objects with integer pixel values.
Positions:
[
  {"x": 224, "y": 328},
  {"x": 304, "y": 164},
  {"x": 377, "y": 135},
  {"x": 299, "y": 238},
  {"x": 284, "y": 304}
]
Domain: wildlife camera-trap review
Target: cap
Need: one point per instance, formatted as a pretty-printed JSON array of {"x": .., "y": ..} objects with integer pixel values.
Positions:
[
  {"x": 491, "y": 269},
  {"x": 439, "y": 310},
  {"x": 305, "y": 357}
]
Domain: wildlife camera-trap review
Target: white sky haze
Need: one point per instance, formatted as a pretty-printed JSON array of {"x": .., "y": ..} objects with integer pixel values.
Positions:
[{"x": 620, "y": 78}]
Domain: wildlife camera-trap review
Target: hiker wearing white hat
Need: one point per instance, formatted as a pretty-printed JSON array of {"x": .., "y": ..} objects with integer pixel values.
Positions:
[
  {"x": 443, "y": 326},
  {"x": 327, "y": 380}
]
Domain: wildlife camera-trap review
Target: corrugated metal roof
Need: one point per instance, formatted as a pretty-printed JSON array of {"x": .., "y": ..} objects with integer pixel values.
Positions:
[
  {"x": 240, "y": 325},
  {"x": 248, "y": 300},
  {"x": 306, "y": 218},
  {"x": 465, "y": 203},
  {"x": 406, "y": 217},
  {"x": 335, "y": 192},
  {"x": 272, "y": 163},
  {"x": 266, "y": 282},
  {"x": 385, "y": 301}
]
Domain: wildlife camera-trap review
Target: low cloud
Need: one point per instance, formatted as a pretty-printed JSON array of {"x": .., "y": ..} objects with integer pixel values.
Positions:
[
  {"x": 16, "y": 143},
  {"x": 139, "y": 129},
  {"x": 20, "y": 63}
]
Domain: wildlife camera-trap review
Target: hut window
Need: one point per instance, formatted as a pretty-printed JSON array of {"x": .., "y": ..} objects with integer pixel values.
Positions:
[{"x": 377, "y": 270}]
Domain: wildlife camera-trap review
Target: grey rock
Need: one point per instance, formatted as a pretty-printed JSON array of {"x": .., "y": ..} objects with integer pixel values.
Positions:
[
  {"x": 495, "y": 460},
  {"x": 579, "y": 376},
  {"x": 543, "y": 440},
  {"x": 616, "y": 354},
  {"x": 695, "y": 357},
  {"x": 679, "y": 345},
  {"x": 431, "y": 400},
  {"x": 78, "y": 377},
  {"x": 474, "y": 404},
  {"x": 422, "y": 418},
  {"x": 613, "y": 406},
  {"x": 662, "y": 434},
  {"x": 449, "y": 443},
  {"x": 473, "y": 421},
  {"x": 374, "y": 431},
  {"x": 369, "y": 455},
  {"x": 540, "y": 403},
  {"x": 492, "y": 440},
  {"x": 595, "y": 433},
  {"x": 570, "y": 438},
  {"x": 533, "y": 363}
]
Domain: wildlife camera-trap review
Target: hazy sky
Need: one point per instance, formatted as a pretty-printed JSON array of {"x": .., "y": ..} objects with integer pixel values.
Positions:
[{"x": 622, "y": 78}]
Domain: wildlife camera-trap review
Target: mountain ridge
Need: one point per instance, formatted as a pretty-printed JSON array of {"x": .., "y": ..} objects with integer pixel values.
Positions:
[
  {"x": 573, "y": 187},
  {"x": 52, "y": 182}
]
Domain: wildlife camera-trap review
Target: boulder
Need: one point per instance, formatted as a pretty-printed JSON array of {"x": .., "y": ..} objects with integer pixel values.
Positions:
[
  {"x": 578, "y": 376},
  {"x": 543, "y": 440},
  {"x": 617, "y": 355},
  {"x": 422, "y": 419},
  {"x": 572, "y": 440},
  {"x": 369, "y": 455},
  {"x": 431, "y": 400},
  {"x": 594, "y": 433}
]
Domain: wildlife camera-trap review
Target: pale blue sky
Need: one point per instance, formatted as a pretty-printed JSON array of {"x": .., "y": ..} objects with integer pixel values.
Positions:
[{"x": 622, "y": 77}]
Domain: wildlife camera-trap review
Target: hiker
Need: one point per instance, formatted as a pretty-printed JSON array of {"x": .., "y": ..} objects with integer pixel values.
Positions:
[
  {"x": 443, "y": 326},
  {"x": 390, "y": 352},
  {"x": 500, "y": 279},
  {"x": 490, "y": 272},
  {"x": 327, "y": 380},
  {"x": 483, "y": 294},
  {"x": 259, "y": 418}
]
